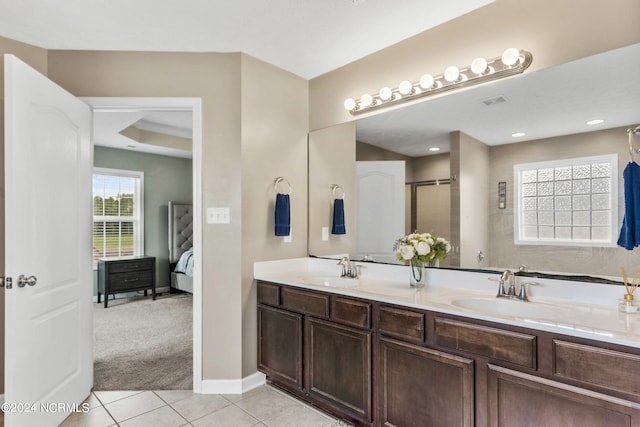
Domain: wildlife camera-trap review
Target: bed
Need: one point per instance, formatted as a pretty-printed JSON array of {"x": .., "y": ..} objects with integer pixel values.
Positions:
[{"x": 181, "y": 245}]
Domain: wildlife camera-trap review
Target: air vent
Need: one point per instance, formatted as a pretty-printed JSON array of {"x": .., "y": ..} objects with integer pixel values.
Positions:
[{"x": 493, "y": 101}]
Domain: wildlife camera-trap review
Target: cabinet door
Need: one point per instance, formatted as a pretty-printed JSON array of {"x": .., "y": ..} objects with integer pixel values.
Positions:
[
  {"x": 339, "y": 367},
  {"x": 423, "y": 387},
  {"x": 517, "y": 399},
  {"x": 280, "y": 346}
]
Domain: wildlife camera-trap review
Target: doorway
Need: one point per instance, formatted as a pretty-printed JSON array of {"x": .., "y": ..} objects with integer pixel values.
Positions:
[{"x": 159, "y": 107}]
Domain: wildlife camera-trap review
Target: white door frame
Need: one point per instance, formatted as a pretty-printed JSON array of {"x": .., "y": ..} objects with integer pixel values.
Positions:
[{"x": 118, "y": 104}]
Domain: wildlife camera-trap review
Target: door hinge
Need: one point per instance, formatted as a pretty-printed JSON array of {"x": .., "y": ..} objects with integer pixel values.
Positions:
[{"x": 6, "y": 282}]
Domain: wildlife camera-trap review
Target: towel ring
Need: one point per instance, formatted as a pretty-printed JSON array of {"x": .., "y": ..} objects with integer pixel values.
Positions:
[
  {"x": 277, "y": 181},
  {"x": 335, "y": 188}
]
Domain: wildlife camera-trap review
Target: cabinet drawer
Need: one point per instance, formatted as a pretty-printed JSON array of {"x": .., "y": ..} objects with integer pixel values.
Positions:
[
  {"x": 126, "y": 266},
  {"x": 305, "y": 302},
  {"x": 610, "y": 369},
  {"x": 268, "y": 293},
  {"x": 498, "y": 344},
  {"x": 130, "y": 280},
  {"x": 351, "y": 312},
  {"x": 403, "y": 324}
]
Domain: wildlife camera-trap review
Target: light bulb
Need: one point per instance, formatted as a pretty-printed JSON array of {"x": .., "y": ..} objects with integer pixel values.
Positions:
[
  {"x": 385, "y": 93},
  {"x": 366, "y": 100},
  {"x": 426, "y": 81},
  {"x": 595, "y": 122},
  {"x": 479, "y": 65},
  {"x": 349, "y": 104},
  {"x": 451, "y": 74},
  {"x": 510, "y": 56},
  {"x": 405, "y": 87}
]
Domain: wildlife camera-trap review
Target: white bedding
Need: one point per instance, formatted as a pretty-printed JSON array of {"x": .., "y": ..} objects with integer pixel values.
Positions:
[{"x": 185, "y": 263}]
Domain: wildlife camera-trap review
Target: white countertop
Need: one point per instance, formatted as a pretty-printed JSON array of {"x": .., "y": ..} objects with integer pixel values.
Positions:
[{"x": 587, "y": 310}]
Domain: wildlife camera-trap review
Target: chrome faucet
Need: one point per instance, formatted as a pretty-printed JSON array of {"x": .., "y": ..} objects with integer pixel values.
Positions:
[
  {"x": 510, "y": 279},
  {"x": 349, "y": 269}
]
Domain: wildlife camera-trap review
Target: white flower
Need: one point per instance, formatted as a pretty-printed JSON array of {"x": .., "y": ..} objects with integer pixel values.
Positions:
[
  {"x": 422, "y": 248},
  {"x": 406, "y": 251}
]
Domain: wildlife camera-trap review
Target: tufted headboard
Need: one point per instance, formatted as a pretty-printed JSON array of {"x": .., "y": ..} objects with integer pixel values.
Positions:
[{"x": 180, "y": 229}]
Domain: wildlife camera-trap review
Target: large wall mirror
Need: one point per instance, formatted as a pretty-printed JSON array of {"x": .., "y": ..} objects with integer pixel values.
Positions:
[{"x": 453, "y": 192}]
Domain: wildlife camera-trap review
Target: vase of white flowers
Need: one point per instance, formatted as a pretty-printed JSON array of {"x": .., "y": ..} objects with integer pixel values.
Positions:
[{"x": 421, "y": 249}]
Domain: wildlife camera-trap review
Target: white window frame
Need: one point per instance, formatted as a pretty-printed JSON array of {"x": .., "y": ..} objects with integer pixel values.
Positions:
[
  {"x": 138, "y": 203},
  {"x": 518, "y": 210}
]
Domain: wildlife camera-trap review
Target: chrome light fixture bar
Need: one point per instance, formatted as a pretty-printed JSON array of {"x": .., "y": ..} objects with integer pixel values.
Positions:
[{"x": 481, "y": 70}]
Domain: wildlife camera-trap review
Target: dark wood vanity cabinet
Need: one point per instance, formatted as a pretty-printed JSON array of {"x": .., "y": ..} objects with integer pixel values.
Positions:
[
  {"x": 339, "y": 367},
  {"x": 424, "y": 387},
  {"x": 377, "y": 364},
  {"x": 318, "y": 346},
  {"x": 280, "y": 346},
  {"x": 517, "y": 399}
]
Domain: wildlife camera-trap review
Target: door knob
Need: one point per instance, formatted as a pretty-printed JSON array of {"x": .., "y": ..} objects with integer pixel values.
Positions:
[{"x": 24, "y": 280}]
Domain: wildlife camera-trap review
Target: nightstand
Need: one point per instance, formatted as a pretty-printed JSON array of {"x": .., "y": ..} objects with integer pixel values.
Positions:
[{"x": 126, "y": 274}]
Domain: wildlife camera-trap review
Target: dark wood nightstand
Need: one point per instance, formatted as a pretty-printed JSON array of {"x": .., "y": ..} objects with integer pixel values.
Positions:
[{"x": 126, "y": 274}]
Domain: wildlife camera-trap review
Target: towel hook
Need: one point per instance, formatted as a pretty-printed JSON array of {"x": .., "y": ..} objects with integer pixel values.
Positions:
[
  {"x": 277, "y": 181},
  {"x": 335, "y": 188}
]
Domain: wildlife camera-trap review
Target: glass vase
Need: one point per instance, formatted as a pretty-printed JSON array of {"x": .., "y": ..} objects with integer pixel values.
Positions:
[
  {"x": 434, "y": 262},
  {"x": 418, "y": 276}
]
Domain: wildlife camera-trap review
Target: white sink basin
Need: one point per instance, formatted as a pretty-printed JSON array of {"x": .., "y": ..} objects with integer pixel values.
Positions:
[
  {"x": 339, "y": 282},
  {"x": 507, "y": 307}
]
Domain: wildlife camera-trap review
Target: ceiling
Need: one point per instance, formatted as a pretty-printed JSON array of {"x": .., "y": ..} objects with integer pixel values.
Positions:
[
  {"x": 110, "y": 127},
  {"x": 550, "y": 102},
  {"x": 305, "y": 37}
]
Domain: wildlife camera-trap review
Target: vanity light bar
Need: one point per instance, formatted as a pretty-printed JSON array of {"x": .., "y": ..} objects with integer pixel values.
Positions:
[{"x": 512, "y": 62}]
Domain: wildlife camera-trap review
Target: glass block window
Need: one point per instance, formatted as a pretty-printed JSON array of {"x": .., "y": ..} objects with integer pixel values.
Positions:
[{"x": 570, "y": 202}]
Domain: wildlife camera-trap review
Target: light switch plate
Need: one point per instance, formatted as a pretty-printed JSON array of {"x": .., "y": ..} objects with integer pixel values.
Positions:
[
  {"x": 325, "y": 233},
  {"x": 287, "y": 239},
  {"x": 218, "y": 215}
]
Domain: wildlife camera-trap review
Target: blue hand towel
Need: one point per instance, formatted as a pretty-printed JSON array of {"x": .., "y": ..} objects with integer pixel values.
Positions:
[
  {"x": 630, "y": 231},
  {"x": 283, "y": 215},
  {"x": 338, "y": 217}
]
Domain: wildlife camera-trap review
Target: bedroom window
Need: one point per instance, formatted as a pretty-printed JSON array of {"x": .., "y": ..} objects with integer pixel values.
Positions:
[
  {"x": 117, "y": 213},
  {"x": 571, "y": 202}
]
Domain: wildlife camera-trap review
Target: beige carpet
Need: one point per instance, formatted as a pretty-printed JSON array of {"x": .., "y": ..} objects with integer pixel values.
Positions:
[{"x": 141, "y": 344}]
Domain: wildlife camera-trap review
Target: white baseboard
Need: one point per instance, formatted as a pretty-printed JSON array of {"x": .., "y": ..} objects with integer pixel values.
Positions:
[{"x": 233, "y": 386}]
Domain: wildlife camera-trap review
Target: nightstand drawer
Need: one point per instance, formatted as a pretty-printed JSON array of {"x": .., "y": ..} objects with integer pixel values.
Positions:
[
  {"x": 130, "y": 280},
  {"x": 126, "y": 266},
  {"x": 120, "y": 275}
]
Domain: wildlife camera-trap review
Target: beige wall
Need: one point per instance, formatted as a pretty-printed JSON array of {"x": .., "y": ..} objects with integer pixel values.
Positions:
[
  {"x": 274, "y": 110},
  {"x": 216, "y": 79},
  {"x": 37, "y": 58},
  {"x": 555, "y": 31},
  {"x": 332, "y": 160},
  {"x": 469, "y": 198},
  {"x": 427, "y": 168},
  {"x": 249, "y": 108},
  {"x": 579, "y": 260}
]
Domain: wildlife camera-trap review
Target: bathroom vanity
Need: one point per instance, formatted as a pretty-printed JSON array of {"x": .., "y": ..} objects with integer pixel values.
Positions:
[{"x": 372, "y": 351}]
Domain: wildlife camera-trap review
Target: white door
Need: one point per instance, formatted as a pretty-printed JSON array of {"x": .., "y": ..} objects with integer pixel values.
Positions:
[
  {"x": 381, "y": 208},
  {"x": 48, "y": 324}
]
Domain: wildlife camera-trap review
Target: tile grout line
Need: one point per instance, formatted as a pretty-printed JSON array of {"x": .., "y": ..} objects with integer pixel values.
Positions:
[
  {"x": 105, "y": 409},
  {"x": 174, "y": 409}
]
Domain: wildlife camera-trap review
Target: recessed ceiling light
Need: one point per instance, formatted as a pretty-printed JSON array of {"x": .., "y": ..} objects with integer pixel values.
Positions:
[
  {"x": 518, "y": 134},
  {"x": 595, "y": 122},
  {"x": 131, "y": 146},
  {"x": 434, "y": 149}
]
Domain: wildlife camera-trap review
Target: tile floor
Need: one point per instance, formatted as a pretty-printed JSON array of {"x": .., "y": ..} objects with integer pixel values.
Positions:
[{"x": 264, "y": 406}]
